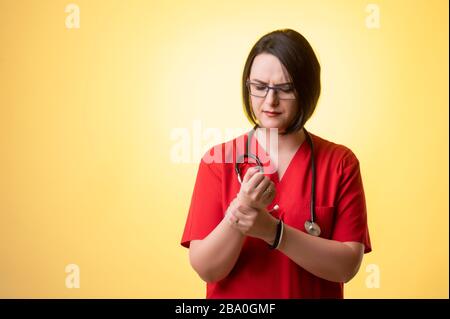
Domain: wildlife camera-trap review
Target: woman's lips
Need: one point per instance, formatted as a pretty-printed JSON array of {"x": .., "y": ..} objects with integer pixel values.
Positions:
[{"x": 271, "y": 114}]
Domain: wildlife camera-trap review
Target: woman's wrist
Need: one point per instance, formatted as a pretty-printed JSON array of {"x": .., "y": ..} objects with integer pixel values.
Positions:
[{"x": 271, "y": 232}]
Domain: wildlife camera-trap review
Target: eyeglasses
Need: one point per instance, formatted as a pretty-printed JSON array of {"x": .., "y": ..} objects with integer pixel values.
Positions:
[{"x": 284, "y": 92}]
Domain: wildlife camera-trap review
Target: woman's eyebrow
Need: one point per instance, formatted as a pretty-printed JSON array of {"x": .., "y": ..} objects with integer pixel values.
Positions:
[{"x": 262, "y": 82}]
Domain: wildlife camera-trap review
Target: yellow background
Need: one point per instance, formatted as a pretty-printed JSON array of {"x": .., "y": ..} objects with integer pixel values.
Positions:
[{"x": 86, "y": 117}]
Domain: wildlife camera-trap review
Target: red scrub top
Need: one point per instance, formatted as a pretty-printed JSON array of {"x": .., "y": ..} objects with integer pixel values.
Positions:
[{"x": 261, "y": 272}]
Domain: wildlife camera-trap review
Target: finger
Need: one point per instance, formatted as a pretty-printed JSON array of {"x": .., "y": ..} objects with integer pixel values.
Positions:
[
  {"x": 232, "y": 220},
  {"x": 250, "y": 172},
  {"x": 273, "y": 189},
  {"x": 255, "y": 180},
  {"x": 268, "y": 195},
  {"x": 244, "y": 209},
  {"x": 233, "y": 215},
  {"x": 242, "y": 226},
  {"x": 239, "y": 217},
  {"x": 263, "y": 186}
]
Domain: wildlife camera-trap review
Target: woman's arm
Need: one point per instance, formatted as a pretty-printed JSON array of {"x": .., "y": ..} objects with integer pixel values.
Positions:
[
  {"x": 214, "y": 256},
  {"x": 328, "y": 259}
]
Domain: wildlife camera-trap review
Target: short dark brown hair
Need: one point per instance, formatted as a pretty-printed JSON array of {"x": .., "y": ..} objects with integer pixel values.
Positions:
[{"x": 297, "y": 56}]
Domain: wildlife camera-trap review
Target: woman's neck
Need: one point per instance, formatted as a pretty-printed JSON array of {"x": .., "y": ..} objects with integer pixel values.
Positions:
[{"x": 283, "y": 143}]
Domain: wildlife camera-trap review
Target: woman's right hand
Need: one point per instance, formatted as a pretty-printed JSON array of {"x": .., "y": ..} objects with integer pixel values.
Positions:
[{"x": 257, "y": 190}]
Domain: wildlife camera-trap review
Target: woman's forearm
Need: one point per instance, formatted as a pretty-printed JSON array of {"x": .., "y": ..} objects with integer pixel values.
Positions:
[
  {"x": 327, "y": 259},
  {"x": 215, "y": 256}
]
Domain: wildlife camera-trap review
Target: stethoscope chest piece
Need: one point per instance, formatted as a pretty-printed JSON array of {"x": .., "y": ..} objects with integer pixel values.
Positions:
[{"x": 312, "y": 228}]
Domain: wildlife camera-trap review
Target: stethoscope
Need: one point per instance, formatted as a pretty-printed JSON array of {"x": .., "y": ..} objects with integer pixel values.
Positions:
[{"x": 310, "y": 225}]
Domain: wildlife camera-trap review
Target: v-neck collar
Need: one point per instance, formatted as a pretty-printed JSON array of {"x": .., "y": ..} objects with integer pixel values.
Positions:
[{"x": 269, "y": 167}]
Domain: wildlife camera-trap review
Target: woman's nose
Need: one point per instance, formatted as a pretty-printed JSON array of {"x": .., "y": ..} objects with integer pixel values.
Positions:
[{"x": 272, "y": 97}]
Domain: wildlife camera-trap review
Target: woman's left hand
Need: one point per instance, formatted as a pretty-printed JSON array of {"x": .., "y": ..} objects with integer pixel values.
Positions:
[{"x": 254, "y": 222}]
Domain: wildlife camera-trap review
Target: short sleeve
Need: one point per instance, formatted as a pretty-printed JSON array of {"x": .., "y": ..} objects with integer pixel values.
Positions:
[
  {"x": 351, "y": 215},
  {"x": 205, "y": 211}
]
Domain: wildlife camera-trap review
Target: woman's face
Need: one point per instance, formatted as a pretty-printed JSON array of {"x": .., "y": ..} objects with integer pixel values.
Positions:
[{"x": 271, "y": 111}]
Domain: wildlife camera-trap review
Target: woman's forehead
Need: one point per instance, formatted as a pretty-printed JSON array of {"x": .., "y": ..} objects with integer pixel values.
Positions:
[{"x": 268, "y": 68}]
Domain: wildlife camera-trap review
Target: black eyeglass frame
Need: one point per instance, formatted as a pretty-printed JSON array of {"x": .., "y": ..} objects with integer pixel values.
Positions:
[{"x": 268, "y": 87}]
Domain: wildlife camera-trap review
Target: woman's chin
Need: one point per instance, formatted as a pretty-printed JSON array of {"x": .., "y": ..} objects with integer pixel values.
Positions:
[{"x": 271, "y": 124}]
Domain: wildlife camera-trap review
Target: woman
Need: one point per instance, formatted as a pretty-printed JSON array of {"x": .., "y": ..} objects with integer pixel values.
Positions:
[{"x": 296, "y": 226}]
